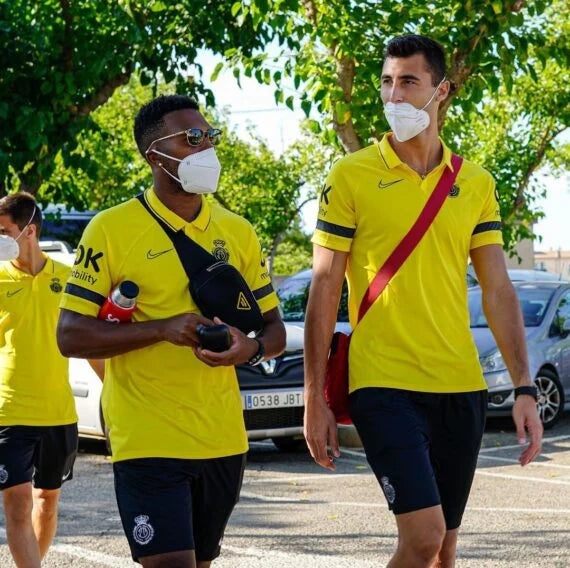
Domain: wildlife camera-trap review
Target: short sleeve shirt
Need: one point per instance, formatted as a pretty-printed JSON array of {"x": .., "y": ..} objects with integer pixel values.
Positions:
[
  {"x": 161, "y": 401},
  {"x": 416, "y": 336},
  {"x": 34, "y": 376}
]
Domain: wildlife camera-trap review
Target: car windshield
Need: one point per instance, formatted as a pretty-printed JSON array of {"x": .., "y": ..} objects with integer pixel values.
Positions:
[
  {"x": 294, "y": 294},
  {"x": 533, "y": 299}
]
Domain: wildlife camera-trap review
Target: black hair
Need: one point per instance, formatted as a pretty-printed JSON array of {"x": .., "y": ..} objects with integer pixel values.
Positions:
[
  {"x": 410, "y": 44},
  {"x": 21, "y": 207},
  {"x": 149, "y": 121}
]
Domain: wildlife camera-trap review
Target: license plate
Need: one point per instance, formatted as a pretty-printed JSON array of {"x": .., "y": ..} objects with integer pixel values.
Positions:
[{"x": 272, "y": 399}]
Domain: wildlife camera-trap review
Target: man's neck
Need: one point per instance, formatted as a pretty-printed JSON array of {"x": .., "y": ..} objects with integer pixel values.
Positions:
[
  {"x": 185, "y": 205},
  {"x": 422, "y": 153},
  {"x": 32, "y": 261}
]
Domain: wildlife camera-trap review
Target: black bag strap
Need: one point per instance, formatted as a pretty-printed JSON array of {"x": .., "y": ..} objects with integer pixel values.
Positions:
[{"x": 193, "y": 257}]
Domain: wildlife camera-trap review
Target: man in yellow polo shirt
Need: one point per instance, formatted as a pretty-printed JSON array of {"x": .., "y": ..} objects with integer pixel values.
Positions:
[
  {"x": 173, "y": 409},
  {"x": 38, "y": 423},
  {"x": 418, "y": 398}
]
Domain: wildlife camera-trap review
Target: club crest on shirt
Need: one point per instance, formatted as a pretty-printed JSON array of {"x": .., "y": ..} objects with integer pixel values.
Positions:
[
  {"x": 454, "y": 191},
  {"x": 143, "y": 531},
  {"x": 220, "y": 251},
  {"x": 388, "y": 489},
  {"x": 55, "y": 286},
  {"x": 3, "y": 474}
]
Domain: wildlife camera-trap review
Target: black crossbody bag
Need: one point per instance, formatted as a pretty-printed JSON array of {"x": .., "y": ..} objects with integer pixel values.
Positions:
[{"x": 217, "y": 287}]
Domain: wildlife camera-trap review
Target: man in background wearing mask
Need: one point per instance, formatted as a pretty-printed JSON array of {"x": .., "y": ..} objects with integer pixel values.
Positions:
[
  {"x": 38, "y": 423},
  {"x": 174, "y": 410},
  {"x": 418, "y": 398}
]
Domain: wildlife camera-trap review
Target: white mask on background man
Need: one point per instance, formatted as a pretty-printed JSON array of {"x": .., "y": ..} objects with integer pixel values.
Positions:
[
  {"x": 198, "y": 172},
  {"x": 9, "y": 247},
  {"x": 407, "y": 121}
]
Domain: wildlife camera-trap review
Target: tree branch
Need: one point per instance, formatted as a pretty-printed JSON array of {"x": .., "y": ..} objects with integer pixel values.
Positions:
[
  {"x": 105, "y": 92},
  {"x": 345, "y": 80}
]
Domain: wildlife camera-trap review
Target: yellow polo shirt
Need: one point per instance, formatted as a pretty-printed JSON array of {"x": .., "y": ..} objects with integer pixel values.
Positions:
[
  {"x": 161, "y": 401},
  {"x": 416, "y": 336},
  {"x": 34, "y": 376}
]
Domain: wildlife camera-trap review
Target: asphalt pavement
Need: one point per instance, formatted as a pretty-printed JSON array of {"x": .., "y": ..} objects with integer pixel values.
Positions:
[{"x": 293, "y": 513}]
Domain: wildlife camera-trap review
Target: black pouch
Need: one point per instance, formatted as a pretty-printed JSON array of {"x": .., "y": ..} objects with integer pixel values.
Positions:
[{"x": 217, "y": 288}]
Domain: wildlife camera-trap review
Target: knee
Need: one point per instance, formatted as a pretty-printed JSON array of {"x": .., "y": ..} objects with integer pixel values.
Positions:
[
  {"x": 18, "y": 504},
  {"x": 427, "y": 546},
  {"x": 45, "y": 502}
]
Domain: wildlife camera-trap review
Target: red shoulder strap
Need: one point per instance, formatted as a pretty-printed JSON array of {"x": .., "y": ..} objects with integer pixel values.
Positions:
[{"x": 414, "y": 236}]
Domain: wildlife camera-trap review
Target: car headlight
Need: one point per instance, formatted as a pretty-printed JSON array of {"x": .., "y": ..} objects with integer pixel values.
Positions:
[{"x": 493, "y": 363}]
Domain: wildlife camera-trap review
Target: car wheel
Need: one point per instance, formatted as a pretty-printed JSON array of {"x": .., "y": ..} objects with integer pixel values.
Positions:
[
  {"x": 290, "y": 443},
  {"x": 550, "y": 398}
]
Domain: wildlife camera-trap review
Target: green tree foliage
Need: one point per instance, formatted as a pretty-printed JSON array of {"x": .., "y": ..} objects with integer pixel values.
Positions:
[
  {"x": 61, "y": 60},
  {"x": 332, "y": 51}
]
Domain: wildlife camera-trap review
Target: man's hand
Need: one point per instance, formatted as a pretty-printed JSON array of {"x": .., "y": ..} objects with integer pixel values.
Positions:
[
  {"x": 181, "y": 329},
  {"x": 525, "y": 416},
  {"x": 321, "y": 430},
  {"x": 241, "y": 350}
]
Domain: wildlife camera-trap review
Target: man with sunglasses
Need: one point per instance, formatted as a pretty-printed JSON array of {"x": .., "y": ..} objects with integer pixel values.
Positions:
[{"x": 173, "y": 409}]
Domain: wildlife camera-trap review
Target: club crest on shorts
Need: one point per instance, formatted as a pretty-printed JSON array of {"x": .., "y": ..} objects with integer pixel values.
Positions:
[
  {"x": 3, "y": 474},
  {"x": 388, "y": 489},
  {"x": 143, "y": 531}
]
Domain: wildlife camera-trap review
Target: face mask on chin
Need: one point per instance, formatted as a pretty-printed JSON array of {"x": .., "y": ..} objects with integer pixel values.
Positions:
[
  {"x": 198, "y": 172},
  {"x": 407, "y": 121},
  {"x": 9, "y": 246}
]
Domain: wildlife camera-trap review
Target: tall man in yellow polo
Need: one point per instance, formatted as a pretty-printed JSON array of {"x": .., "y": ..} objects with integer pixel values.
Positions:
[
  {"x": 174, "y": 410},
  {"x": 38, "y": 423},
  {"x": 418, "y": 398}
]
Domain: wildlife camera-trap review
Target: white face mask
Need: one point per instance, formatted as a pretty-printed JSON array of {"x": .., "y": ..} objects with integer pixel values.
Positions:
[
  {"x": 197, "y": 173},
  {"x": 407, "y": 121},
  {"x": 9, "y": 247}
]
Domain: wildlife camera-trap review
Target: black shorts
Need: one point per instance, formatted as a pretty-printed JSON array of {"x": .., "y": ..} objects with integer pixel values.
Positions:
[
  {"x": 422, "y": 447},
  {"x": 43, "y": 455},
  {"x": 168, "y": 505}
]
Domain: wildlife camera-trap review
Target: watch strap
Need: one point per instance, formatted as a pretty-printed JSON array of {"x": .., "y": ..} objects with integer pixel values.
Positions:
[
  {"x": 530, "y": 390},
  {"x": 258, "y": 357}
]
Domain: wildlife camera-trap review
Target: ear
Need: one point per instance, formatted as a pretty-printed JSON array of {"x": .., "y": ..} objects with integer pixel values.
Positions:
[
  {"x": 154, "y": 159},
  {"x": 443, "y": 91}
]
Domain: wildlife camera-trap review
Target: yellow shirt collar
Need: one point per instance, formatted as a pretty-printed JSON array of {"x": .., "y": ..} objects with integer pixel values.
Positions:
[
  {"x": 201, "y": 222},
  {"x": 391, "y": 159}
]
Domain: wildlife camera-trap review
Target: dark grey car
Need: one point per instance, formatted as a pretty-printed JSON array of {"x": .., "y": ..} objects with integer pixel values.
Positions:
[{"x": 546, "y": 312}]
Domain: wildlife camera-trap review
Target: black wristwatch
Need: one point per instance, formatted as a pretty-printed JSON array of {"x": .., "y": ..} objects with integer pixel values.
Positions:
[
  {"x": 258, "y": 357},
  {"x": 531, "y": 390}
]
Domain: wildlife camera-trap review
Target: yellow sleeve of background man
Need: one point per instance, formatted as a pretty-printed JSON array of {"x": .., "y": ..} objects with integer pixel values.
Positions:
[{"x": 336, "y": 221}]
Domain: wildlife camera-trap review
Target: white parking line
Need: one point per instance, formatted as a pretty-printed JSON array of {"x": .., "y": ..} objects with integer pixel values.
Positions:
[
  {"x": 86, "y": 554},
  {"x": 331, "y": 476},
  {"x": 523, "y": 478},
  {"x": 513, "y": 446},
  {"x": 509, "y": 460}
]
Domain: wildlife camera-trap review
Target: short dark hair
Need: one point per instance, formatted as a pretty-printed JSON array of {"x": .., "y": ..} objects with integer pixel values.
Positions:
[
  {"x": 410, "y": 44},
  {"x": 149, "y": 121},
  {"x": 22, "y": 206}
]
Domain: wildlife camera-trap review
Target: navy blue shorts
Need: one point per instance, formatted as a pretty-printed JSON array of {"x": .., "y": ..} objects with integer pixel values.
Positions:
[
  {"x": 43, "y": 455},
  {"x": 168, "y": 505},
  {"x": 422, "y": 447}
]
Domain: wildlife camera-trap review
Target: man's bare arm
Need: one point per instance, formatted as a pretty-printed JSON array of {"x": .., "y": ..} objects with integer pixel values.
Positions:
[
  {"x": 320, "y": 425},
  {"x": 503, "y": 313},
  {"x": 87, "y": 337}
]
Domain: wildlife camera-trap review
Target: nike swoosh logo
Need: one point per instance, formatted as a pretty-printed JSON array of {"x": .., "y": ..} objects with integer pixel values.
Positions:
[
  {"x": 385, "y": 185},
  {"x": 10, "y": 294},
  {"x": 150, "y": 255}
]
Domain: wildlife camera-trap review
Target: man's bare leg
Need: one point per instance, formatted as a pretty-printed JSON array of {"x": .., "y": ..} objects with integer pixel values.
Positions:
[
  {"x": 19, "y": 529},
  {"x": 446, "y": 557},
  {"x": 179, "y": 559},
  {"x": 44, "y": 517},
  {"x": 421, "y": 535}
]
